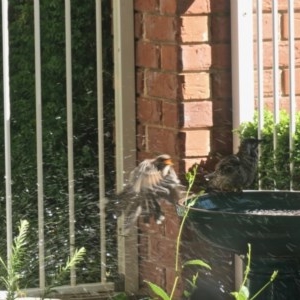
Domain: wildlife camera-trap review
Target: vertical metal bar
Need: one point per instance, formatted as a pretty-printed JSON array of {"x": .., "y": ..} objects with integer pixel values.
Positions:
[
  {"x": 260, "y": 72},
  {"x": 276, "y": 115},
  {"x": 125, "y": 126},
  {"x": 39, "y": 146},
  {"x": 292, "y": 83},
  {"x": 242, "y": 64},
  {"x": 7, "y": 135},
  {"x": 70, "y": 135},
  {"x": 101, "y": 139},
  {"x": 275, "y": 64},
  {"x": 242, "y": 80}
]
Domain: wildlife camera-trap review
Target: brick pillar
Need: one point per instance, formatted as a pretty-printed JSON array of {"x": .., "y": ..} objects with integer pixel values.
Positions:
[{"x": 183, "y": 88}]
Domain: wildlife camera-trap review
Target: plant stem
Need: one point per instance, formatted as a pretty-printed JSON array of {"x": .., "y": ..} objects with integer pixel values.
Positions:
[
  {"x": 247, "y": 270},
  {"x": 266, "y": 285},
  {"x": 191, "y": 180}
]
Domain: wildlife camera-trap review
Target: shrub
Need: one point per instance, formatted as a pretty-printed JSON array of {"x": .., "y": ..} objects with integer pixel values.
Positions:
[
  {"x": 274, "y": 163},
  {"x": 23, "y": 148}
]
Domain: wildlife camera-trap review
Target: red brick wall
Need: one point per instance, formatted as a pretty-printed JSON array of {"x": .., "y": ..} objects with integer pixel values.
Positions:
[
  {"x": 283, "y": 53},
  {"x": 183, "y": 88},
  {"x": 183, "y": 67}
]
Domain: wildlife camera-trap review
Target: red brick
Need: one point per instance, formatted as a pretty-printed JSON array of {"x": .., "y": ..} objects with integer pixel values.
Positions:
[
  {"x": 268, "y": 87},
  {"x": 141, "y": 138},
  {"x": 220, "y": 28},
  {"x": 147, "y": 55},
  {"x": 194, "y": 29},
  {"x": 221, "y": 140},
  {"x": 160, "y": 28},
  {"x": 283, "y": 53},
  {"x": 153, "y": 272},
  {"x": 195, "y": 142},
  {"x": 196, "y": 85},
  {"x": 161, "y": 140},
  {"x": 196, "y": 57},
  {"x": 222, "y": 112},
  {"x": 221, "y": 85},
  {"x": 162, "y": 250},
  {"x": 146, "y": 6},
  {"x": 221, "y": 56},
  {"x": 170, "y": 114},
  {"x": 163, "y": 85},
  {"x": 149, "y": 111},
  {"x": 284, "y": 103},
  {"x": 170, "y": 57},
  {"x": 286, "y": 81},
  {"x": 282, "y": 5},
  {"x": 193, "y": 7},
  {"x": 172, "y": 221},
  {"x": 197, "y": 114},
  {"x": 285, "y": 26},
  {"x": 143, "y": 247},
  {"x": 140, "y": 82},
  {"x": 168, "y": 6},
  {"x": 220, "y": 6},
  {"x": 138, "y": 25},
  {"x": 267, "y": 26}
]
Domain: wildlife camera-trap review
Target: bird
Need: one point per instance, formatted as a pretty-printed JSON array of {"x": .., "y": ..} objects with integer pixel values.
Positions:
[
  {"x": 152, "y": 181},
  {"x": 237, "y": 171}
]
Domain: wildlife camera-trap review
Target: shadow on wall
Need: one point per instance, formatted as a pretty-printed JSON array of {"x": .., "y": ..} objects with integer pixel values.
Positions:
[{"x": 220, "y": 95}]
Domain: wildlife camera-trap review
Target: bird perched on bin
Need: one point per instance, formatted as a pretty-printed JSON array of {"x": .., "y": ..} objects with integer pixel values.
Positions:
[
  {"x": 237, "y": 171},
  {"x": 150, "y": 182}
]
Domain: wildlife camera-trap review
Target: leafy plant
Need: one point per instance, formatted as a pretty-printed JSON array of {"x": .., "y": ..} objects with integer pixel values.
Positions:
[
  {"x": 15, "y": 261},
  {"x": 275, "y": 173},
  {"x": 243, "y": 292},
  {"x": 64, "y": 270},
  {"x": 12, "y": 266}
]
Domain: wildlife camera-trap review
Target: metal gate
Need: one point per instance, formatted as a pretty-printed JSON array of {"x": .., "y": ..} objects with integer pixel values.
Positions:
[{"x": 124, "y": 138}]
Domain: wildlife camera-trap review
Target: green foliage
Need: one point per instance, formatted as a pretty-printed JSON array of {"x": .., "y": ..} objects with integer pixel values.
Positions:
[
  {"x": 274, "y": 164},
  {"x": 64, "y": 270},
  {"x": 13, "y": 266},
  {"x": 54, "y": 126}
]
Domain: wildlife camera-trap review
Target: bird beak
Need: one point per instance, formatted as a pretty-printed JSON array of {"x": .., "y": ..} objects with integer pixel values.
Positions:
[{"x": 168, "y": 162}]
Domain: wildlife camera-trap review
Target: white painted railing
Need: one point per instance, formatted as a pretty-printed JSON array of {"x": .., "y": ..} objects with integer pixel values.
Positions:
[
  {"x": 124, "y": 138},
  {"x": 244, "y": 15}
]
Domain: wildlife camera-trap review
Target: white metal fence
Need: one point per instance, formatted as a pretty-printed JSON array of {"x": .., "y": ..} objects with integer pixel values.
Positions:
[
  {"x": 249, "y": 72},
  {"x": 124, "y": 137}
]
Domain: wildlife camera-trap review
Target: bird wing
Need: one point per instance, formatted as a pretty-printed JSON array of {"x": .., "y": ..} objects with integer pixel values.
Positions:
[
  {"x": 144, "y": 176},
  {"x": 228, "y": 164}
]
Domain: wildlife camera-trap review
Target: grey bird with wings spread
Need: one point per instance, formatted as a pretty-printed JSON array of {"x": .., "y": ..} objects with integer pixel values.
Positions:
[{"x": 150, "y": 182}]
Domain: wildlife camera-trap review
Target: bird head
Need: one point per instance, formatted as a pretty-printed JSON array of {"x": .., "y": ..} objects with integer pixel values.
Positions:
[
  {"x": 163, "y": 163},
  {"x": 250, "y": 146}
]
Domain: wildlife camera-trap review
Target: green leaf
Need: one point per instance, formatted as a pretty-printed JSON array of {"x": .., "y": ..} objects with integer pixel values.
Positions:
[
  {"x": 196, "y": 262},
  {"x": 243, "y": 294},
  {"x": 274, "y": 275},
  {"x": 158, "y": 290},
  {"x": 120, "y": 296}
]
